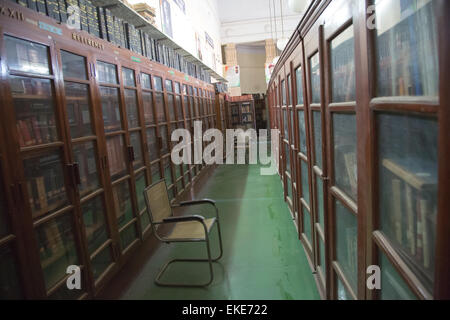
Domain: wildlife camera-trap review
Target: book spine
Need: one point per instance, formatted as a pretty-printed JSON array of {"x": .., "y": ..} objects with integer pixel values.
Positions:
[
  {"x": 102, "y": 23},
  {"x": 37, "y": 132},
  {"x": 90, "y": 16},
  {"x": 41, "y": 7},
  {"x": 52, "y": 9},
  {"x": 83, "y": 15},
  {"x": 62, "y": 10},
  {"x": 32, "y": 5},
  {"x": 41, "y": 192},
  {"x": 109, "y": 25}
]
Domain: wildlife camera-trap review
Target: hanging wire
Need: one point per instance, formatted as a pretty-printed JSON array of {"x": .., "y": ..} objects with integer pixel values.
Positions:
[{"x": 270, "y": 18}]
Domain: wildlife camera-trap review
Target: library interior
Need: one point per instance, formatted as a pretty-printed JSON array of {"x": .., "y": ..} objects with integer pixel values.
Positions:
[{"x": 346, "y": 101}]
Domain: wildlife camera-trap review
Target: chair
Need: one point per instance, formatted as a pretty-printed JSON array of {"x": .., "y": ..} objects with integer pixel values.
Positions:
[{"x": 193, "y": 228}]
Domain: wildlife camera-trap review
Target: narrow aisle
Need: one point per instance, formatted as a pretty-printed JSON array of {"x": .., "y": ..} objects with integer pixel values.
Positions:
[{"x": 263, "y": 259}]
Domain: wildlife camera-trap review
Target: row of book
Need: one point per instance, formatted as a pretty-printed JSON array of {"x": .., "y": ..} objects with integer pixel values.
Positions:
[
  {"x": 221, "y": 87},
  {"x": 116, "y": 156},
  {"x": 34, "y": 130},
  {"x": 46, "y": 189},
  {"x": 101, "y": 23}
]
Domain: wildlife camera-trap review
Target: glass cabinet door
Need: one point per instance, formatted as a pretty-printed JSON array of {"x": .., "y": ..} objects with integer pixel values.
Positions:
[{"x": 41, "y": 160}]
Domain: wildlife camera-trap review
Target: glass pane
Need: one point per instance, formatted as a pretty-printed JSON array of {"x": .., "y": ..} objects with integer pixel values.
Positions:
[
  {"x": 191, "y": 108},
  {"x": 56, "y": 248},
  {"x": 10, "y": 287},
  {"x": 116, "y": 157},
  {"x": 158, "y": 83},
  {"x": 320, "y": 203},
  {"x": 302, "y": 132},
  {"x": 63, "y": 293},
  {"x": 317, "y": 137},
  {"x": 299, "y": 84},
  {"x": 94, "y": 222},
  {"x": 393, "y": 287},
  {"x": 289, "y": 188},
  {"x": 171, "y": 107},
  {"x": 45, "y": 183},
  {"x": 345, "y": 165},
  {"x": 408, "y": 189},
  {"x": 84, "y": 154},
  {"x": 146, "y": 82},
  {"x": 314, "y": 66},
  {"x": 160, "y": 108},
  {"x": 167, "y": 171},
  {"x": 305, "y": 179},
  {"x": 407, "y": 49},
  {"x": 135, "y": 139},
  {"x": 169, "y": 86},
  {"x": 177, "y": 88},
  {"x": 110, "y": 109},
  {"x": 346, "y": 246},
  {"x": 165, "y": 143},
  {"x": 287, "y": 155},
  {"x": 4, "y": 225},
  {"x": 128, "y": 77},
  {"x": 283, "y": 92},
  {"x": 101, "y": 262},
  {"x": 132, "y": 109},
  {"x": 148, "y": 108},
  {"x": 77, "y": 104},
  {"x": 322, "y": 262},
  {"x": 343, "y": 294},
  {"x": 128, "y": 235},
  {"x": 292, "y": 140},
  {"x": 26, "y": 56},
  {"x": 285, "y": 124},
  {"x": 107, "y": 72},
  {"x": 122, "y": 203},
  {"x": 145, "y": 221},
  {"x": 343, "y": 66},
  {"x": 186, "y": 106},
  {"x": 179, "y": 108},
  {"x": 141, "y": 184},
  {"x": 190, "y": 90},
  {"x": 34, "y": 109},
  {"x": 73, "y": 65},
  {"x": 289, "y": 89},
  {"x": 156, "y": 174},
  {"x": 307, "y": 224},
  {"x": 151, "y": 142}
]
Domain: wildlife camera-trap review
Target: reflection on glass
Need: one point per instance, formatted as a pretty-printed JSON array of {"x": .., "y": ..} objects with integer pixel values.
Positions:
[
  {"x": 156, "y": 173},
  {"x": 84, "y": 154},
  {"x": 299, "y": 84},
  {"x": 345, "y": 165},
  {"x": 314, "y": 66},
  {"x": 101, "y": 262},
  {"x": 343, "y": 66},
  {"x": 74, "y": 66},
  {"x": 128, "y": 235},
  {"x": 393, "y": 287},
  {"x": 170, "y": 102},
  {"x": 302, "y": 131},
  {"x": 128, "y": 77},
  {"x": 107, "y": 72},
  {"x": 169, "y": 86},
  {"x": 122, "y": 203},
  {"x": 34, "y": 109},
  {"x": 289, "y": 188},
  {"x": 10, "y": 287},
  {"x": 343, "y": 294},
  {"x": 406, "y": 48},
  {"x": 186, "y": 106},
  {"x": 110, "y": 109},
  {"x": 94, "y": 222},
  {"x": 45, "y": 183},
  {"x": 322, "y": 262},
  {"x": 116, "y": 157},
  {"x": 132, "y": 109},
  {"x": 305, "y": 179},
  {"x": 158, "y": 83},
  {"x": 160, "y": 109},
  {"x": 307, "y": 224},
  {"x": 347, "y": 245},
  {"x": 167, "y": 171},
  {"x": 408, "y": 189},
  {"x": 56, "y": 248},
  {"x": 317, "y": 123},
  {"x": 135, "y": 139},
  {"x": 320, "y": 203},
  {"x": 165, "y": 141},
  {"x": 26, "y": 56},
  {"x": 287, "y": 154},
  {"x": 177, "y": 88},
  {"x": 292, "y": 113},
  {"x": 147, "y": 103},
  {"x": 285, "y": 124},
  {"x": 179, "y": 108},
  {"x": 289, "y": 89},
  {"x": 78, "y": 111},
  {"x": 141, "y": 184},
  {"x": 151, "y": 142},
  {"x": 146, "y": 82},
  {"x": 283, "y": 92}
]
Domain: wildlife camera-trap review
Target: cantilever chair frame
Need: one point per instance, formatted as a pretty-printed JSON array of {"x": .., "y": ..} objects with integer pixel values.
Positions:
[{"x": 173, "y": 219}]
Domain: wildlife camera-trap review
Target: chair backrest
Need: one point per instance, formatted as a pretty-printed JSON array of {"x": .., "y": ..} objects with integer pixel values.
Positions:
[{"x": 157, "y": 200}]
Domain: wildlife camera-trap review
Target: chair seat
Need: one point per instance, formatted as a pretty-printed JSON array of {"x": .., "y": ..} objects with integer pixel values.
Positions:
[{"x": 190, "y": 230}]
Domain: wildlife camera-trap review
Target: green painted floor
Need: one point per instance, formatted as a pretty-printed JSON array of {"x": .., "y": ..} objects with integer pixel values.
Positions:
[{"x": 263, "y": 258}]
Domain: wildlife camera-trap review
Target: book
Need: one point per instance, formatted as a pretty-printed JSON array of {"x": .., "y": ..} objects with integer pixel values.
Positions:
[
  {"x": 53, "y": 9},
  {"x": 42, "y": 193},
  {"x": 109, "y": 25},
  {"x": 32, "y": 4},
  {"x": 102, "y": 23},
  {"x": 83, "y": 15},
  {"x": 41, "y": 7},
  {"x": 62, "y": 11}
]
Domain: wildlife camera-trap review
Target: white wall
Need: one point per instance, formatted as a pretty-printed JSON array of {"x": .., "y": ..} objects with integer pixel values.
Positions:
[{"x": 251, "y": 61}]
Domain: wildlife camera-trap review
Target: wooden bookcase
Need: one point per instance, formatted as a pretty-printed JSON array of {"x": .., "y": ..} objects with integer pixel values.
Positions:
[
  {"x": 242, "y": 112},
  {"x": 362, "y": 123},
  {"x": 85, "y": 128}
]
